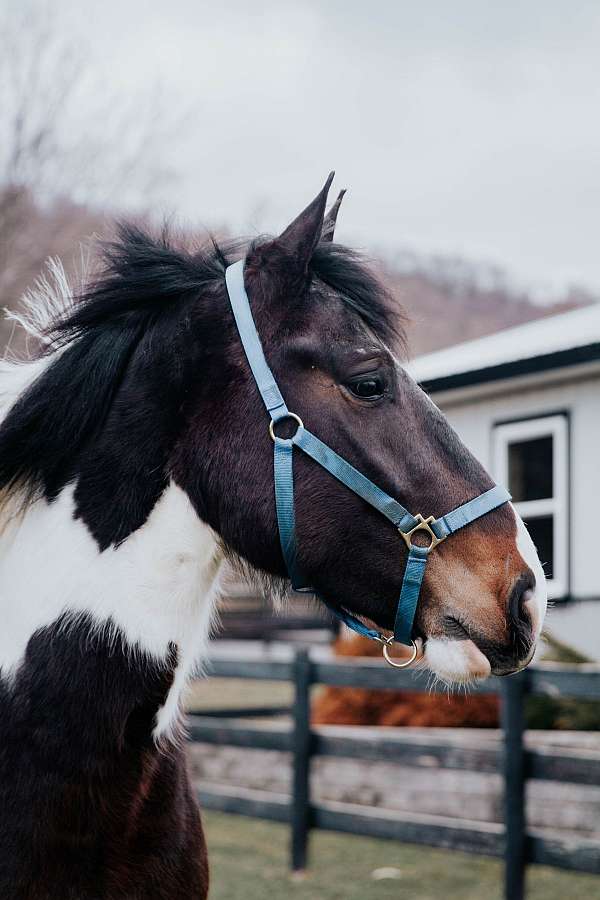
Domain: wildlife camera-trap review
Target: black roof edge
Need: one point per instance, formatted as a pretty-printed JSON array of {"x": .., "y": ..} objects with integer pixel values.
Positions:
[{"x": 530, "y": 366}]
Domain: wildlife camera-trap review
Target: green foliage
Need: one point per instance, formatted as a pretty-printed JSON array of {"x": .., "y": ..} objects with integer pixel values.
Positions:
[
  {"x": 548, "y": 713},
  {"x": 554, "y": 713},
  {"x": 558, "y": 651}
]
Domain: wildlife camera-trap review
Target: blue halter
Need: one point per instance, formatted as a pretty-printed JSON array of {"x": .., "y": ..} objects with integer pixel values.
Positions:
[{"x": 436, "y": 530}]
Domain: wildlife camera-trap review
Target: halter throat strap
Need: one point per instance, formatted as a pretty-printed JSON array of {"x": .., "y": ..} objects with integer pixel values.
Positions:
[{"x": 407, "y": 524}]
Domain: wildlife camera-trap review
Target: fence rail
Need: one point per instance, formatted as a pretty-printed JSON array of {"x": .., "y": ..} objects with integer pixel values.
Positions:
[{"x": 515, "y": 762}]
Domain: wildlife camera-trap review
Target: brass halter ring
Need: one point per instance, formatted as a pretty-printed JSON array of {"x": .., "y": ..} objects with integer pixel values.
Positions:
[
  {"x": 289, "y": 415},
  {"x": 389, "y": 659},
  {"x": 423, "y": 524}
]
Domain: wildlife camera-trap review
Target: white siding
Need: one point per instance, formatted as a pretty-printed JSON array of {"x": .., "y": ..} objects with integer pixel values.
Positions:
[{"x": 475, "y": 418}]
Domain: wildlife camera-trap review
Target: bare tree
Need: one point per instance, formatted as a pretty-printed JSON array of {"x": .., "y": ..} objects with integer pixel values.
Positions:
[{"x": 71, "y": 149}]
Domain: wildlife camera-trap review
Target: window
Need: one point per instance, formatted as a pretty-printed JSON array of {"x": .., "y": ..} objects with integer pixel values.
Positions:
[{"x": 531, "y": 459}]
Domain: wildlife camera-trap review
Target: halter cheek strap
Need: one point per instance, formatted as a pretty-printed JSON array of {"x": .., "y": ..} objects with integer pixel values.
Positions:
[{"x": 436, "y": 530}]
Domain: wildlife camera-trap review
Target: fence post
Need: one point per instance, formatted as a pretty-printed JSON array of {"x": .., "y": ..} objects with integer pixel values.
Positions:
[
  {"x": 513, "y": 693},
  {"x": 301, "y": 760}
]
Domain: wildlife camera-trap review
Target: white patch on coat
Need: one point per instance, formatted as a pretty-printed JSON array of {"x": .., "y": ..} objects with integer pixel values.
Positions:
[
  {"x": 50, "y": 298},
  {"x": 16, "y": 377},
  {"x": 538, "y": 598},
  {"x": 157, "y": 587}
]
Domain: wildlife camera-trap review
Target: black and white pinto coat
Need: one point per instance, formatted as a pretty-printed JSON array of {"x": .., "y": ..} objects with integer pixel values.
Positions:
[
  {"x": 122, "y": 480},
  {"x": 96, "y": 645}
]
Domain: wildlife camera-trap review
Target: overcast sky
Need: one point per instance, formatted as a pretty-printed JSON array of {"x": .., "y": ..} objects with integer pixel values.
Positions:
[{"x": 458, "y": 127}]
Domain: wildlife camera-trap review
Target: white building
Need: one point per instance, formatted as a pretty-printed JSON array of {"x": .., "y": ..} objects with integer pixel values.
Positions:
[{"x": 527, "y": 403}]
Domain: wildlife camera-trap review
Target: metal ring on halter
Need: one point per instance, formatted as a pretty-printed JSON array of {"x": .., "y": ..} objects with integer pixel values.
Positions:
[
  {"x": 398, "y": 665},
  {"x": 422, "y": 525},
  {"x": 288, "y": 415}
]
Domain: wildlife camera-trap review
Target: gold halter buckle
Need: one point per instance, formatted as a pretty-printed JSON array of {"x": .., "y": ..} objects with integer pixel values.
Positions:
[
  {"x": 422, "y": 525},
  {"x": 389, "y": 659}
]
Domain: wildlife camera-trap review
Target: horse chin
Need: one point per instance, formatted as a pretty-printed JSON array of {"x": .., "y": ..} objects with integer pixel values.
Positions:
[{"x": 456, "y": 661}]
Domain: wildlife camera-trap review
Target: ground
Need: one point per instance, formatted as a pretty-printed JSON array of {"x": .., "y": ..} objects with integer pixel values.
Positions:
[
  {"x": 225, "y": 693},
  {"x": 249, "y": 860}
]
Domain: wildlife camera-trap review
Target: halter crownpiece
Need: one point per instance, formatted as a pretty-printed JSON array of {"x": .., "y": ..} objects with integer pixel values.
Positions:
[{"x": 437, "y": 530}]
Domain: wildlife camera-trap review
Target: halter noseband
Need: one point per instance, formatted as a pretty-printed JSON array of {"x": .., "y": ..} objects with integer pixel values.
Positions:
[{"x": 408, "y": 525}]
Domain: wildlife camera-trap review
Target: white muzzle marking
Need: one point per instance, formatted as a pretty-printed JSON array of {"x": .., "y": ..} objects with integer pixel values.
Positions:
[{"x": 461, "y": 661}]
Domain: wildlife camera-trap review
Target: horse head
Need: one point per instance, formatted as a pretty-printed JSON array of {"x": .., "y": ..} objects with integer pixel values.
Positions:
[
  {"x": 150, "y": 387},
  {"x": 333, "y": 336}
]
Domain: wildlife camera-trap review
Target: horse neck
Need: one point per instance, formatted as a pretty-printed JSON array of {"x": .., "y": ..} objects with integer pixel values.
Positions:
[{"x": 150, "y": 599}]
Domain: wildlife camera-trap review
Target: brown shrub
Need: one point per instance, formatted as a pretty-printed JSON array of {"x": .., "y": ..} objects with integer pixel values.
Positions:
[{"x": 355, "y": 706}]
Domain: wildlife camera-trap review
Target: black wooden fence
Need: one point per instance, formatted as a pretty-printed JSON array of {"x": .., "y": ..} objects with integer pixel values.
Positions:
[{"x": 512, "y": 841}]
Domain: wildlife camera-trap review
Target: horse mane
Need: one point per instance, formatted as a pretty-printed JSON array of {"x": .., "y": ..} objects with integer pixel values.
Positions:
[{"x": 89, "y": 337}]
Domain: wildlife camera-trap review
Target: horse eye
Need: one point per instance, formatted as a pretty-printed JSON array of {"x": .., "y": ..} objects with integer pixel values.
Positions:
[{"x": 370, "y": 387}]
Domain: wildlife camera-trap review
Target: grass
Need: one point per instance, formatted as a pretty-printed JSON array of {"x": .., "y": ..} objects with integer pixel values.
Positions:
[{"x": 249, "y": 860}]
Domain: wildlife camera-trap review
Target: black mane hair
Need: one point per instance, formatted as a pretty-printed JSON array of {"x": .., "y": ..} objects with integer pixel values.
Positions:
[
  {"x": 143, "y": 284},
  {"x": 347, "y": 273}
]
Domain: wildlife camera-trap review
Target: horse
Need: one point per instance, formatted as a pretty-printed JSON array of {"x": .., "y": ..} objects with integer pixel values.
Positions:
[{"x": 135, "y": 459}]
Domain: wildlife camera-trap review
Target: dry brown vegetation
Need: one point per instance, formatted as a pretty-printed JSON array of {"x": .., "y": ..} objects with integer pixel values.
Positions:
[
  {"x": 441, "y": 312},
  {"x": 70, "y": 149},
  {"x": 448, "y": 307},
  {"x": 72, "y": 154},
  {"x": 355, "y": 706}
]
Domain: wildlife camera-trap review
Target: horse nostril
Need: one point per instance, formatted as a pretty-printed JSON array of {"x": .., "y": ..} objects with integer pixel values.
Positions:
[
  {"x": 519, "y": 617},
  {"x": 519, "y": 596},
  {"x": 511, "y": 654}
]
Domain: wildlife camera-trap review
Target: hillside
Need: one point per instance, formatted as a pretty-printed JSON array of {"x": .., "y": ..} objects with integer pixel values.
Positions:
[
  {"x": 446, "y": 309},
  {"x": 447, "y": 301}
]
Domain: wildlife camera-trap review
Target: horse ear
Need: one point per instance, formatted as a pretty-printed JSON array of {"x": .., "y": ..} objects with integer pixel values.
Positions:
[
  {"x": 331, "y": 218},
  {"x": 300, "y": 238}
]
